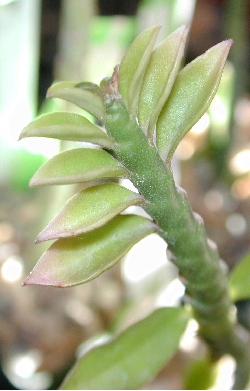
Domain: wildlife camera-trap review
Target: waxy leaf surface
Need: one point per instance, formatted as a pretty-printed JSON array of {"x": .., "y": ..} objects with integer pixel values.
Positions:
[
  {"x": 78, "y": 165},
  {"x": 159, "y": 77},
  {"x": 89, "y": 209},
  {"x": 67, "y": 126},
  {"x": 239, "y": 280},
  {"x": 82, "y": 97},
  {"x": 77, "y": 260},
  {"x": 133, "y": 66},
  {"x": 192, "y": 93},
  {"x": 134, "y": 357}
]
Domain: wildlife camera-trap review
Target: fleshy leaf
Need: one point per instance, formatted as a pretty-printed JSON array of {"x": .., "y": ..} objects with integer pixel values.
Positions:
[
  {"x": 133, "y": 66},
  {"x": 239, "y": 280},
  {"x": 159, "y": 78},
  {"x": 73, "y": 261},
  {"x": 67, "y": 126},
  {"x": 134, "y": 357},
  {"x": 89, "y": 209},
  {"x": 85, "y": 98},
  {"x": 78, "y": 165},
  {"x": 192, "y": 93}
]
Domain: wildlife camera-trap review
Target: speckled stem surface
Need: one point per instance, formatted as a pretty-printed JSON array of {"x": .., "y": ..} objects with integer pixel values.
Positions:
[{"x": 197, "y": 257}]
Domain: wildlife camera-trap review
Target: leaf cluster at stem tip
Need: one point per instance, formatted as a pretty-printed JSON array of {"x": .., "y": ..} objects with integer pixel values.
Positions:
[{"x": 162, "y": 101}]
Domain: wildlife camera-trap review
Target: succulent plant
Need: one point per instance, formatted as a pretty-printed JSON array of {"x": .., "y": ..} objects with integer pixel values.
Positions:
[{"x": 140, "y": 114}]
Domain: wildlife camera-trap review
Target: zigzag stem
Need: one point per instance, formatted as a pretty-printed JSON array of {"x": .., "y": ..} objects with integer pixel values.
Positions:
[{"x": 192, "y": 252}]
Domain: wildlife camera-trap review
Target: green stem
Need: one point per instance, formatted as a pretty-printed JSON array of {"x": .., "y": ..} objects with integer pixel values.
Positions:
[{"x": 192, "y": 252}]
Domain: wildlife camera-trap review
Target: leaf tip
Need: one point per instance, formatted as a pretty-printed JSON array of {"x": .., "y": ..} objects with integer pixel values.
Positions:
[
  {"x": 43, "y": 235},
  {"x": 226, "y": 45},
  {"x": 24, "y": 133},
  {"x": 35, "y": 277},
  {"x": 32, "y": 182},
  {"x": 223, "y": 47},
  {"x": 48, "y": 234},
  {"x": 229, "y": 41},
  {"x": 183, "y": 29},
  {"x": 31, "y": 280},
  {"x": 48, "y": 93},
  {"x": 35, "y": 181}
]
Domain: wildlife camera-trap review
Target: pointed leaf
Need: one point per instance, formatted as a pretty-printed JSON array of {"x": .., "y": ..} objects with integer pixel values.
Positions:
[
  {"x": 88, "y": 86},
  {"x": 159, "y": 78},
  {"x": 78, "y": 165},
  {"x": 192, "y": 93},
  {"x": 133, "y": 66},
  {"x": 134, "y": 357},
  {"x": 84, "y": 98},
  {"x": 77, "y": 260},
  {"x": 239, "y": 280},
  {"x": 89, "y": 209},
  {"x": 67, "y": 126}
]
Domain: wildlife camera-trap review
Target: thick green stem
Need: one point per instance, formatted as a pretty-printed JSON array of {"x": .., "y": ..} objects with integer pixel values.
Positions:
[{"x": 195, "y": 255}]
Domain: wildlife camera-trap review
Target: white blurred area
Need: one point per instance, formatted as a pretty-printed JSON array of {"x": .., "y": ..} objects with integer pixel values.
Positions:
[
  {"x": 19, "y": 54},
  {"x": 146, "y": 264},
  {"x": 146, "y": 267},
  {"x": 21, "y": 369},
  {"x": 225, "y": 374},
  {"x": 19, "y": 59}
]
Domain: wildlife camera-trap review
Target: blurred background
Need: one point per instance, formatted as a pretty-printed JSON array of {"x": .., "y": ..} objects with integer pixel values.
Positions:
[{"x": 43, "y": 330}]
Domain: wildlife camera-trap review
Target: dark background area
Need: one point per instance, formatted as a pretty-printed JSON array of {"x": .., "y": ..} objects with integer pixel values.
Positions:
[{"x": 207, "y": 30}]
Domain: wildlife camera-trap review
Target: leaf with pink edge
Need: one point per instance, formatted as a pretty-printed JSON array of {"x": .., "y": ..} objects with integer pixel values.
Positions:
[
  {"x": 81, "y": 95},
  {"x": 67, "y": 126},
  {"x": 73, "y": 261},
  {"x": 159, "y": 78},
  {"x": 89, "y": 209},
  {"x": 133, "y": 66},
  {"x": 190, "y": 97},
  {"x": 78, "y": 165}
]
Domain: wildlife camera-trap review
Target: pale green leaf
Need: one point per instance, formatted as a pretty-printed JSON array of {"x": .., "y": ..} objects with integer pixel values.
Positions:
[
  {"x": 239, "y": 280},
  {"x": 134, "y": 357},
  {"x": 89, "y": 209},
  {"x": 67, "y": 126},
  {"x": 133, "y": 66},
  {"x": 85, "y": 98},
  {"x": 192, "y": 93},
  {"x": 78, "y": 165},
  {"x": 71, "y": 261},
  {"x": 159, "y": 77}
]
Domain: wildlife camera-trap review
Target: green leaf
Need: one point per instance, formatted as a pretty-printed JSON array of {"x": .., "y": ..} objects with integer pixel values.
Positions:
[
  {"x": 73, "y": 261},
  {"x": 85, "y": 98},
  {"x": 67, "y": 126},
  {"x": 239, "y": 280},
  {"x": 159, "y": 77},
  {"x": 134, "y": 357},
  {"x": 200, "y": 374},
  {"x": 89, "y": 209},
  {"x": 133, "y": 66},
  {"x": 192, "y": 93},
  {"x": 78, "y": 165}
]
